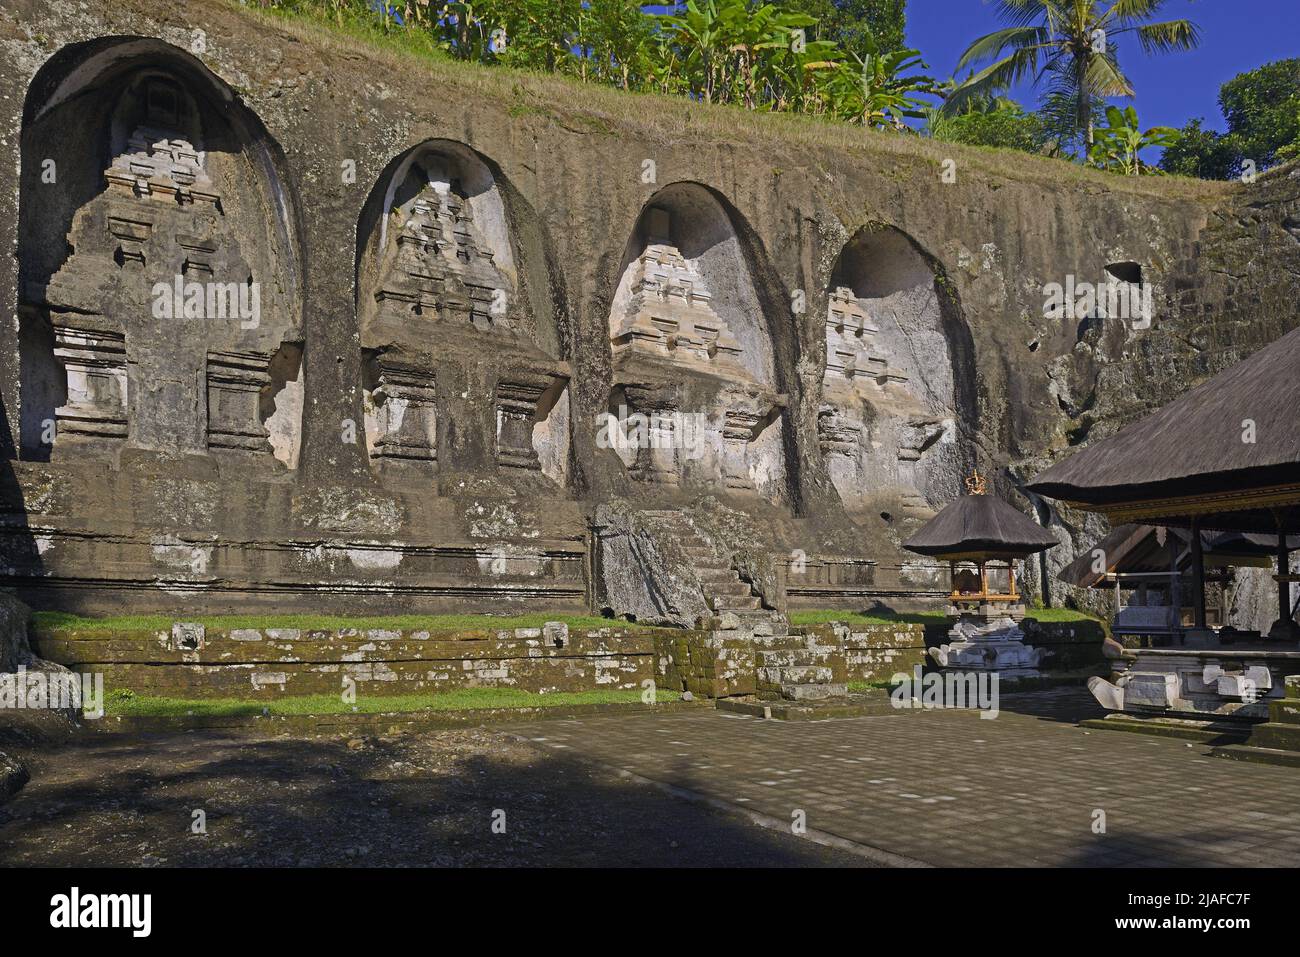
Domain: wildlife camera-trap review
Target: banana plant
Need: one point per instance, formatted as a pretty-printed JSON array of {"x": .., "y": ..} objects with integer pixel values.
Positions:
[
  {"x": 754, "y": 40},
  {"x": 702, "y": 31},
  {"x": 1118, "y": 146},
  {"x": 877, "y": 89},
  {"x": 791, "y": 77}
]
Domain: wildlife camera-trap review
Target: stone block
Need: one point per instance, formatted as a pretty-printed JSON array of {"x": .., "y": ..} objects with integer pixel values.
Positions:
[
  {"x": 1151, "y": 690},
  {"x": 187, "y": 636}
]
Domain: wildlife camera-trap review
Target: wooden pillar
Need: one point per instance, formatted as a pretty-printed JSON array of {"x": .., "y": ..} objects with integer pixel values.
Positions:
[
  {"x": 984, "y": 580},
  {"x": 1198, "y": 575},
  {"x": 1011, "y": 579},
  {"x": 1283, "y": 587}
]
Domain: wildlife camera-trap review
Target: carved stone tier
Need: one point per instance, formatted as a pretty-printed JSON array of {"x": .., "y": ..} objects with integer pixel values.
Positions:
[
  {"x": 840, "y": 438},
  {"x": 441, "y": 266},
  {"x": 516, "y": 416},
  {"x": 657, "y": 458},
  {"x": 872, "y": 428},
  {"x": 405, "y": 423},
  {"x": 853, "y": 357},
  {"x": 235, "y": 384},
  {"x": 94, "y": 364},
  {"x": 669, "y": 313},
  {"x": 740, "y": 428},
  {"x": 155, "y": 297}
]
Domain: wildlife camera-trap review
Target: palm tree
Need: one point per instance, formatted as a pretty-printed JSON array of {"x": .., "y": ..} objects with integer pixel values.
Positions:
[{"x": 1072, "y": 44}]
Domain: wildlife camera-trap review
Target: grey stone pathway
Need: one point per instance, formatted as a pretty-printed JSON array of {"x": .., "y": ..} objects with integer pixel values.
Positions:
[{"x": 950, "y": 788}]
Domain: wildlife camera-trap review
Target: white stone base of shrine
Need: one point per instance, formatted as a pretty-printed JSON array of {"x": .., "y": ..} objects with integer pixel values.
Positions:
[
  {"x": 988, "y": 644},
  {"x": 1195, "y": 681}
]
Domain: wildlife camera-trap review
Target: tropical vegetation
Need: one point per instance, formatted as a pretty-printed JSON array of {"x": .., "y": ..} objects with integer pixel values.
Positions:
[
  {"x": 1070, "y": 48},
  {"x": 848, "y": 61}
]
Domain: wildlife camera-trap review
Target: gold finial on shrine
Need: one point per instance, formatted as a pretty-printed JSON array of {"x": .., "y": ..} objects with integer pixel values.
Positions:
[{"x": 975, "y": 484}]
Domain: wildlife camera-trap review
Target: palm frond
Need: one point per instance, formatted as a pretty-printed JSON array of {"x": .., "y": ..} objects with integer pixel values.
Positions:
[
  {"x": 997, "y": 76},
  {"x": 993, "y": 44},
  {"x": 1168, "y": 36},
  {"x": 1105, "y": 78}
]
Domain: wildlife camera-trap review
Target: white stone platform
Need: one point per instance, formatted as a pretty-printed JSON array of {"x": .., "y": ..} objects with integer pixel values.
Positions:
[{"x": 1232, "y": 682}]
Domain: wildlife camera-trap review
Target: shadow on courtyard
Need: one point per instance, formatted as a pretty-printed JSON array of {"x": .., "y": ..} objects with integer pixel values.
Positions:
[
  {"x": 1068, "y": 704},
  {"x": 410, "y": 801}
]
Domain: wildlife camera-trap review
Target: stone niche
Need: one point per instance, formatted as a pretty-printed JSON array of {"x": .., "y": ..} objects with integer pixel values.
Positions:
[
  {"x": 159, "y": 311},
  {"x": 460, "y": 367},
  {"x": 693, "y": 401},
  {"x": 887, "y": 421}
]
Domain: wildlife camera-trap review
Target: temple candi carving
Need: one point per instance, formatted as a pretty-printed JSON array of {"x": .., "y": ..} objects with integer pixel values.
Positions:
[
  {"x": 872, "y": 427},
  {"x": 441, "y": 300},
  {"x": 166, "y": 337},
  {"x": 679, "y": 369}
]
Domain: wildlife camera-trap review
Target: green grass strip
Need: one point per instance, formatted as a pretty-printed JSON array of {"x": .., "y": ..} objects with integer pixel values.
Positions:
[
  {"x": 127, "y": 704},
  {"x": 820, "y": 616}
]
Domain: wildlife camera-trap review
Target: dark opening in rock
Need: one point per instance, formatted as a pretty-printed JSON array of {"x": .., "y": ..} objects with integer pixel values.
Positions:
[{"x": 1125, "y": 272}]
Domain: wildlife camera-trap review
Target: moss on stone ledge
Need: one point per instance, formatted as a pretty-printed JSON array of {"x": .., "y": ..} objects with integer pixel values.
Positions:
[
  {"x": 125, "y": 704},
  {"x": 50, "y": 621}
]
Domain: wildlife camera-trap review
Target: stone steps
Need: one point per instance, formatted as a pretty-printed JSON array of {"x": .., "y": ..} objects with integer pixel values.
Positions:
[
  {"x": 724, "y": 589},
  {"x": 796, "y": 675},
  {"x": 814, "y": 692},
  {"x": 717, "y": 575},
  {"x": 730, "y": 589},
  {"x": 794, "y": 657},
  {"x": 797, "y": 668}
]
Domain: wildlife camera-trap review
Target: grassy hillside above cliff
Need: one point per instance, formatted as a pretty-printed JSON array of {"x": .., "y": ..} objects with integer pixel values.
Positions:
[{"x": 602, "y": 110}]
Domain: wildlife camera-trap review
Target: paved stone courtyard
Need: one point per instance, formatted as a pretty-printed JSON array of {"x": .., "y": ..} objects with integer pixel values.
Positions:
[
  {"x": 950, "y": 788},
  {"x": 939, "y": 787}
]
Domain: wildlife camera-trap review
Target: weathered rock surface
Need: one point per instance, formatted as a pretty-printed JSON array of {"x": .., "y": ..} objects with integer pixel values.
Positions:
[
  {"x": 13, "y": 775},
  {"x": 14, "y": 647},
  {"x": 645, "y": 573},
  {"x": 953, "y": 276}
]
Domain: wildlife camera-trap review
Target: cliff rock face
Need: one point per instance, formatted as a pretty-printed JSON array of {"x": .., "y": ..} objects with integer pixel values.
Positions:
[
  {"x": 14, "y": 649},
  {"x": 1236, "y": 290},
  {"x": 464, "y": 275}
]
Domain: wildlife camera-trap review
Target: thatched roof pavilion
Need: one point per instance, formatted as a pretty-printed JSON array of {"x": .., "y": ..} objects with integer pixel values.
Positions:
[
  {"x": 1141, "y": 551},
  {"x": 980, "y": 528},
  {"x": 979, "y": 525},
  {"x": 1225, "y": 455}
]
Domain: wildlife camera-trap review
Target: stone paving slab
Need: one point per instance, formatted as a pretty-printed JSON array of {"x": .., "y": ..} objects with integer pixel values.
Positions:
[{"x": 949, "y": 788}]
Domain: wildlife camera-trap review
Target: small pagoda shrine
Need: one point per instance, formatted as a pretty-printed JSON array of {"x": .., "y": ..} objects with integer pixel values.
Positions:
[{"x": 982, "y": 538}]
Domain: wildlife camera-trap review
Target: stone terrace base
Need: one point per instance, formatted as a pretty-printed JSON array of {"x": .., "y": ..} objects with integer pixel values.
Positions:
[
  {"x": 1237, "y": 682},
  {"x": 191, "y": 662},
  {"x": 852, "y": 705},
  {"x": 1277, "y": 740},
  {"x": 1205, "y": 730},
  {"x": 378, "y": 723}
]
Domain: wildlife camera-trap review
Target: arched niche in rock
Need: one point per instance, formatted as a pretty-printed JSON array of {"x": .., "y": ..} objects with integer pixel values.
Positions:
[
  {"x": 895, "y": 394},
  {"x": 160, "y": 307},
  {"x": 462, "y": 355},
  {"x": 694, "y": 400}
]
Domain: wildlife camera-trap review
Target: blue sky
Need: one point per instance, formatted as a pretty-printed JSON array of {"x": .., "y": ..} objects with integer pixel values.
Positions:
[{"x": 1236, "y": 35}]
